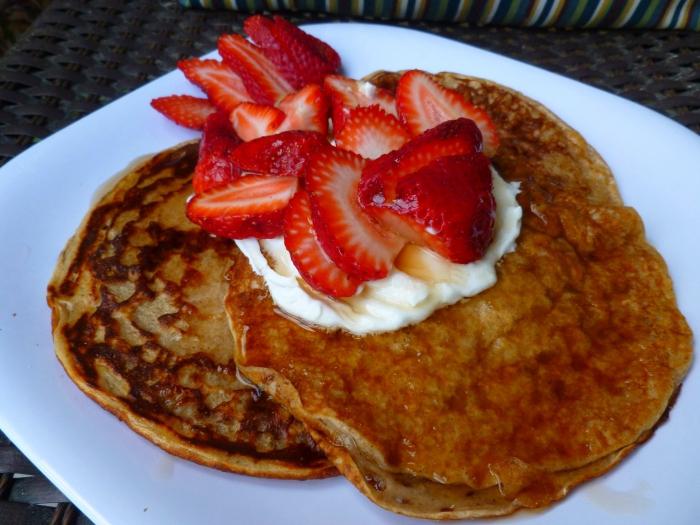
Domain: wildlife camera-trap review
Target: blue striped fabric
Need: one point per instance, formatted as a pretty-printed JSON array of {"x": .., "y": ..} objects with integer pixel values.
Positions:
[{"x": 662, "y": 14}]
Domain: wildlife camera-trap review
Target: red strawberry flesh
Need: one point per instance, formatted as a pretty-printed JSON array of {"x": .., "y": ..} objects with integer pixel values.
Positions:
[
  {"x": 371, "y": 132},
  {"x": 299, "y": 57},
  {"x": 422, "y": 104},
  {"x": 185, "y": 110},
  {"x": 261, "y": 78},
  {"x": 252, "y": 206},
  {"x": 455, "y": 137},
  {"x": 214, "y": 167},
  {"x": 307, "y": 109},
  {"x": 330, "y": 56},
  {"x": 251, "y": 121},
  {"x": 224, "y": 88},
  {"x": 347, "y": 94},
  {"x": 308, "y": 256},
  {"x": 446, "y": 205},
  {"x": 282, "y": 154},
  {"x": 348, "y": 236}
]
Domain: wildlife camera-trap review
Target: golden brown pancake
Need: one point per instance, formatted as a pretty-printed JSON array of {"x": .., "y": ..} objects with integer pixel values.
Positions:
[
  {"x": 138, "y": 324},
  {"x": 510, "y": 398}
]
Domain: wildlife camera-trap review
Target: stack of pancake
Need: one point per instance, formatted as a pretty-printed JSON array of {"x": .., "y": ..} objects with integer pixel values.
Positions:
[{"x": 501, "y": 401}]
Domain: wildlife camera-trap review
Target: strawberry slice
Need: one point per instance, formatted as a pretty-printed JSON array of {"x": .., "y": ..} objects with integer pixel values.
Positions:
[
  {"x": 330, "y": 56},
  {"x": 215, "y": 166},
  {"x": 371, "y": 132},
  {"x": 260, "y": 76},
  {"x": 308, "y": 256},
  {"x": 446, "y": 206},
  {"x": 347, "y": 234},
  {"x": 251, "y": 121},
  {"x": 298, "y": 56},
  {"x": 347, "y": 93},
  {"x": 282, "y": 154},
  {"x": 423, "y": 104},
  {"x": 380, "y": 176},
  {"x": 252, "y": 206},
  {"x": 224, "y": 88},
  {"x": 307, "y": 109},
  {"x": 191, "y": 112}
]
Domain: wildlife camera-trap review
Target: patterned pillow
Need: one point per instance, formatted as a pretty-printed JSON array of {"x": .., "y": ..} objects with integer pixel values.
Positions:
[{"x": 662, "y": 14}]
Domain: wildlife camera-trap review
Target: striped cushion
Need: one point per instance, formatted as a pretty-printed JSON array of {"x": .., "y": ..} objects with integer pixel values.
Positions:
[{"x": 664, "y": 14}]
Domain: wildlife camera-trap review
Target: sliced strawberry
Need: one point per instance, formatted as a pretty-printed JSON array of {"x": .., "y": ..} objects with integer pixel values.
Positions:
[
  {"x": 282, "y": 154},
  {"x": 371, "y": 132},
  {"x": 347, "y": 234},
  {"x": 330, "y": 56},
  {"x": 251, "y": 206},
  {"x": 446, "y": 206},
  {"x": 347, "y": 93},
  {"x": 307, "y": 110},
  {"x": 224, "y": 88},
  {"x": 260, "y": 76},
  {"x": 214, "y": 166},
  {"x": 251, "y": 121},
  {"x": 380, "y": 176},
  {"x": 191, "y": 112},
  {"x": 298, "y": 56},
  {"x": 423, "y": 104},
  {"x": 307, "y": 254}
]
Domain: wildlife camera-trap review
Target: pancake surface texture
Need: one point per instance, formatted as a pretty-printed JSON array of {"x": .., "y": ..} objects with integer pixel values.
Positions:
[
  {"x": 510, "y": 398},
  {"x": 138, "y": 322}
]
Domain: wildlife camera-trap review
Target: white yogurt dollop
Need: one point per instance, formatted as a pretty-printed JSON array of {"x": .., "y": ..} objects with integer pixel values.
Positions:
[{"x": 420, "y": 283}]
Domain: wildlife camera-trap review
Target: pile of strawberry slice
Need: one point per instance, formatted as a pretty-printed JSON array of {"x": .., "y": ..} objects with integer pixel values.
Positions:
[{"x": 346, "y": 172}]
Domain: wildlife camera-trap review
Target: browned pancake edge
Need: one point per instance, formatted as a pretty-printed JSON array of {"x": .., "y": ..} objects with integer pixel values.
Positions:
[{"x": 138, "y": 325}]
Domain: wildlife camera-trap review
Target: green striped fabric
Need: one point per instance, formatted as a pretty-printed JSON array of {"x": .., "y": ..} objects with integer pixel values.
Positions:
[{"x": 663, "y": 14}]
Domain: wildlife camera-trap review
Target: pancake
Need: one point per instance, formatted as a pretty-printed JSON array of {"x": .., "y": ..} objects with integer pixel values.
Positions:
[
  {"x": 138, "y": 324},
  {"x": 510, "y": 398}
]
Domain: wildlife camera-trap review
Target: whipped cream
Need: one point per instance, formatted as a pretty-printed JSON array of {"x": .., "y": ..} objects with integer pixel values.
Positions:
[{"x": 420, "y": 283}]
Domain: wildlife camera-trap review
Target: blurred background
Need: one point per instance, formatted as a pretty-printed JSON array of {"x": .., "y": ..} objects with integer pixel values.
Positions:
[{"x": 15, "y": 17}]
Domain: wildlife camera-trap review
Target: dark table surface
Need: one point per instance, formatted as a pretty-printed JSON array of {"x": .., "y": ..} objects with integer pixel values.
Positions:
[{"x": 78, "y": 56}]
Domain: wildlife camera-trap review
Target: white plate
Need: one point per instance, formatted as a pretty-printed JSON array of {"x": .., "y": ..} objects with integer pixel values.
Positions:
[{"x": 116, "y": 477}]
